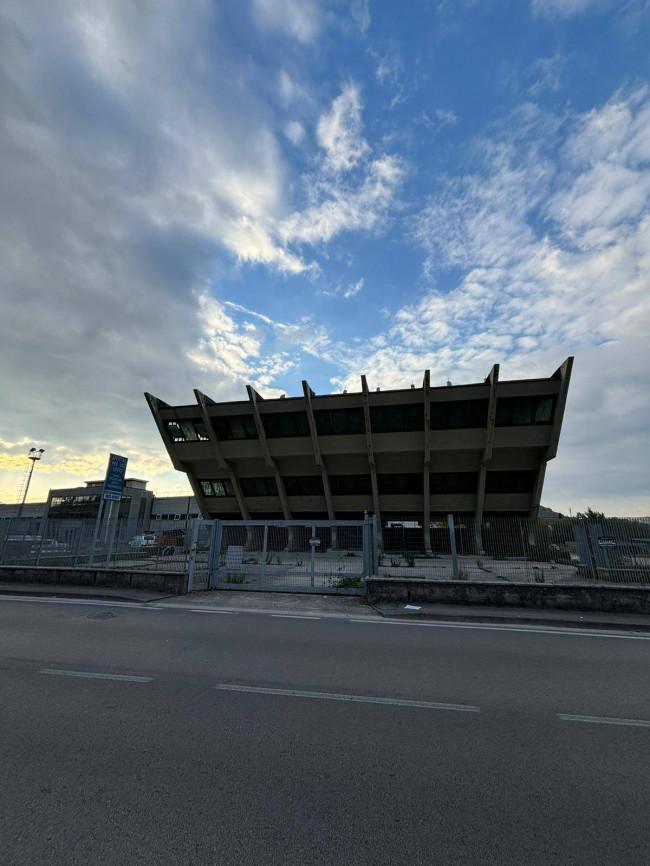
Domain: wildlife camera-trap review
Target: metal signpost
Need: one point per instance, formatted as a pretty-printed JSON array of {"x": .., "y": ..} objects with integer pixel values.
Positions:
[
  {"x": 112, "y": 491},
  {"x": 314, "y": 542}
]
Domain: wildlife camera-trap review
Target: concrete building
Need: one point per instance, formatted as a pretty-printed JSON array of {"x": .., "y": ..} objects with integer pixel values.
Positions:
[{"x": 413, "y": 455}]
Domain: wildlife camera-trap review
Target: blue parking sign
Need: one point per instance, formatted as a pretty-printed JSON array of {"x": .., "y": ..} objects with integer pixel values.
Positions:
[{"x": 114, "y": 481}]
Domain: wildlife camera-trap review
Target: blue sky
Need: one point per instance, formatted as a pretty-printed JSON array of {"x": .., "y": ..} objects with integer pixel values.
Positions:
[{"x": 205, "y": 194}]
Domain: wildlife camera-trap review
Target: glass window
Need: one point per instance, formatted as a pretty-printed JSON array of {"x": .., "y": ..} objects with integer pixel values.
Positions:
[
  {"x": 323, "y": 423},
  {"x": 259, "y": 486},
  {"x": 513, "y": 481},
  {"x": 285, "y": 424},
  {"x": 543, "y": 410},
  {"x": 350, "y": 485},
  {"x": 477, "y": 412},
  {"x": 522, "y": 412},
  {"x": 396, "y": 419},
  {"x": 307, "y": 485},
  {"x": 504, "y": 412},
  {"x": 206, "y": 487},
  {"x": 221, "y": 428},
  {"x": 175, "y": 432},
  {"x": 453, "y": 482},
  {"x": 201, "y": 430},
  {"x": 188, "y": 431},
  {"x": 339, "y": 421},
  {"x": 457, "y": 414},
  {"x": 439, "y": 415},
  {"x": 399, "y": 483}
]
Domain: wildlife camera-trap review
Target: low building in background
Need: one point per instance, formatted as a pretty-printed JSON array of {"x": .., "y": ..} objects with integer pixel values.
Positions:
[{"x": 409, "y": 456}]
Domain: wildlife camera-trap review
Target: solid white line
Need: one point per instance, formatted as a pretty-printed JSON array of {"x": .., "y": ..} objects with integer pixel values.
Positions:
[
  {"x": 93, "y": 676},
  {"x": 292, "y": 616},
  {"x": 200, "y": 610},
  {"x": 550, "y": 630},
  {"x": 143, "y": 605},
  {"x": 361, "y": 699},
  {"x": 604, "y": 720}
]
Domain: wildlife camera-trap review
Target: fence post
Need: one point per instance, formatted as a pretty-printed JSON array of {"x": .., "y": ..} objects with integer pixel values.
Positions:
[
  {"x": 375, "y": 545},
  {"x": 191, "y": 564},
  {"x": 452, "y": 542},
  {"x": 590, "y": 548},
  {"x": 40, "y": 546},
  {"x": 215, "y": 552},
  {"x": 365, "y": 543},
  {"x": 313, "y": 555},
  {"x": 5, "y": 540},
  {"x": 265, "y": 545}
]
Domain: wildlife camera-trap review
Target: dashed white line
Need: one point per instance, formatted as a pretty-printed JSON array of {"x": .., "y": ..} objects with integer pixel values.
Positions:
[
  {"x": 361, "y": 699},
  {"x": 200, "y": 610},
  {"x": 95, "y": 676},
  {"x": 604, "y": 720},
  {"x": 292, "y": 616}
]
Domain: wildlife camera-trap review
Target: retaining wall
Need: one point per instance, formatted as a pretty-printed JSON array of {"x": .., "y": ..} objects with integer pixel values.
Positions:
[
  {"x": 610, "y": 599},
  {"x": 170, "y": 582}
]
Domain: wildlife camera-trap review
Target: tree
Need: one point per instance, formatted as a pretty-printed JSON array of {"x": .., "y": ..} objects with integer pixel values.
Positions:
[{"x": 590, "y": 514}]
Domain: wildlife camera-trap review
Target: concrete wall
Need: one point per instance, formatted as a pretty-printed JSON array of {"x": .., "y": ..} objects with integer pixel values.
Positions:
[
  {"x": 611, "y": 599},
  {"x": 169, "y": 582}
]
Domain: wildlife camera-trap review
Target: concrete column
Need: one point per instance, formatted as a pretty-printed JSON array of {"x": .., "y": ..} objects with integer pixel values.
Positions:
[
  {"x": 493, "y": 380},
  {"x": 319, "y": 459},
  {"x": 254, "y": 397},
  {"x": 371, "y": 459},
  {"x": 221, "y": 461},
  {"x": 426, "y": 502}
]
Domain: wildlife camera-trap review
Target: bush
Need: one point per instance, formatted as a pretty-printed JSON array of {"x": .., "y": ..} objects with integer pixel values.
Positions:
[
  {"x": 349, "y": 583},
  {"x": 236, "y": 578},
  {"x": 409, "y": 559}
]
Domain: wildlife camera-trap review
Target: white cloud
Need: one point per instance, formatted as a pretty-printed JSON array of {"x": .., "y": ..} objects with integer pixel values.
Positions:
[
  {"x": 566, "y": 8},
  {"x": 295, "y": 132},
  {"x": 547, "y": 72},
  {"x": 297, "y": 18},
  {"x": 353, "y": 289},
  {"x": 360, "y": 11},
  {"x": 339, "y": 131}
]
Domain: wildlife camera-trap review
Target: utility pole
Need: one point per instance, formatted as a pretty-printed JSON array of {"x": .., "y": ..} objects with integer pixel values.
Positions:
[{"x": 34, "y": 455}]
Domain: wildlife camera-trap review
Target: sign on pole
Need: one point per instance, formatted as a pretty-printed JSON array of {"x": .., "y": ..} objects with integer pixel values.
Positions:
[
  {"x": 314, "y": 541},
  {"x": 114, "y": 481}
]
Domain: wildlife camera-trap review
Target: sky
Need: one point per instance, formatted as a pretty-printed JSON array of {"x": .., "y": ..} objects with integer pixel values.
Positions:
[{"x": 203, "y": 194}]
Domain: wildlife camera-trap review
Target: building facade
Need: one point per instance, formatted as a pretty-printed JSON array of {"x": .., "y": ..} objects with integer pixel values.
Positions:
[{"x": 415, "y": 455}]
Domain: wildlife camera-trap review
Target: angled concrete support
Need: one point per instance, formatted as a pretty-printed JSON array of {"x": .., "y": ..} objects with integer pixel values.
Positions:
[
  {"x": 155, "y": 405},
  {"x": 371, "y": 459},
  {"x": 493, "y": 380},
  {"x": 254, "y": 398},
  {"x": 426, "y": 510},
  {"x": 203, "y": 402},
  {"x": 318, "y": 458}
]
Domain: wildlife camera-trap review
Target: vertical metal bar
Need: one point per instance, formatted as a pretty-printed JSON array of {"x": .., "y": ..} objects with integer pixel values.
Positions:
[
  {"x": 191, "y": 565},
  {"x": 98, "y": 521},
  {"x": 5, "y": 541},
  {"x": 265, "y": 544},
  {"x": 452, "y": 542},
  {"x": 40, "y": 547},
  {"x": 313, "y": 554},
  {"x": 523, "y": 549},
  {"x": 110, "y": 533},
  {"x": 375, "y": 544},
  {"x": 590, "y": 548},
  {"x": 365, "y": 541},
  {"x": 215, "y": 552}
]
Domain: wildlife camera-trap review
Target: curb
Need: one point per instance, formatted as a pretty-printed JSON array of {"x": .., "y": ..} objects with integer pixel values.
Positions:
[
  {"x": 78, "y": 596},
  {"x": 526, "y": 619}
]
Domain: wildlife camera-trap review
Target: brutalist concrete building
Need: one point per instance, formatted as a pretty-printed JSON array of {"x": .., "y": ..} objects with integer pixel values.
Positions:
[{"x": 411, "y": 455}]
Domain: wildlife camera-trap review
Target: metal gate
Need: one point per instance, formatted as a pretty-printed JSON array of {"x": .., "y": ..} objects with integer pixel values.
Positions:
[{"x": 324, "y": 556}]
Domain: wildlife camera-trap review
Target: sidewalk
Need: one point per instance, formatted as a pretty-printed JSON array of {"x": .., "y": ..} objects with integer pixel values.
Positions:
[{"x": 100, "y": 593}]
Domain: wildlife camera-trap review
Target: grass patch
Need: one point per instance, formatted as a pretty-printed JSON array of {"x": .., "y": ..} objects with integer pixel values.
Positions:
[{"x": 349, "y": 583}]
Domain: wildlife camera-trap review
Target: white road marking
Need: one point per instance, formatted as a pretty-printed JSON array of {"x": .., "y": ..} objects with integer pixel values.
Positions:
[
  {"x": 95, "y": 676},
  {"x": 292, "y": 616},
  {"x": 604, "y": 720},
  {"x": 143, "y": 605},
  {"x": 552, "y": 630},
  {"x": 201, "y": 610},
  {"x": 361, "y": 699}
]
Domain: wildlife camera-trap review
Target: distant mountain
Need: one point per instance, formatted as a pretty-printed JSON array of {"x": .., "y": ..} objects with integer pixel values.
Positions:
[{"x": 548, "y": 513}]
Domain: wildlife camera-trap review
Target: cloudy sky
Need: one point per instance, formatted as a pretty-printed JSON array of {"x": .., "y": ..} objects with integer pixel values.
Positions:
[{"x": 205, "y": 193}]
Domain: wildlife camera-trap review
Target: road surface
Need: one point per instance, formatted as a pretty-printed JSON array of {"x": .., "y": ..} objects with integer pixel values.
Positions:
[{"x": 145, "y": 734}]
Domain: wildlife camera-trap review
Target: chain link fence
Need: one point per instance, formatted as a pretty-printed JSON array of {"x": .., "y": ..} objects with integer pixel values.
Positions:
[{"x": 568, "y": 550}]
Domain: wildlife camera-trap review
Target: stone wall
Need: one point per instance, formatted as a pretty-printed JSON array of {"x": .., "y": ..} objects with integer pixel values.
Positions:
[
  {"x": 611, "y": 599},
  {"x": 169, "y": 582}
]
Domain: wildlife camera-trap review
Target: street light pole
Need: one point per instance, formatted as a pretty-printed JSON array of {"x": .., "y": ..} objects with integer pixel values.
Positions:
[{"x": 34, "y": 455}]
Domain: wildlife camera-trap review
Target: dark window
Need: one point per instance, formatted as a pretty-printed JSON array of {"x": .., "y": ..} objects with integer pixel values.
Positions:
[
  {"x": 350, "y": 485},
  {"x": 515, "y": 481},
  {"x": 74, "y": 506},
  {"x": 339, "y": 421},
  {"x": 397, "y": 419},
  {"x": 281, "y": 424},
  {"x": 307, "y": 485},
  {"x": 235, "y": 427},
  {"x": 400, "y": 483},
  {"x": 459, "y": 413},
  {"x": 524, "y": 410},
  {"x": 186, "y": 431},
  {"x": 453, "y": 482},
  {"x": 221, "y": 487},
  {"x": 259, "y": 486}
]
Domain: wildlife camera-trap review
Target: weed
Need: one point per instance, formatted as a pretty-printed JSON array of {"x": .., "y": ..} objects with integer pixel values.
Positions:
[
  {"x": 349, "y": 583},
  {"x": 299, "y": 562},
  {"x": 409, "y": 558},
  {"x": 463, "y": 574},
  {"x": 269, "y": 558},
  {"x": 250, "y": 561},
  {"x": 236, "y": 578},
  {"x": 278, "y": 559},
  {"x": 503, "y": 577},
  {"x": 395, "y": 563},
  {"x": 479, "y": 563},
  {"x": 380, "y": 561}
]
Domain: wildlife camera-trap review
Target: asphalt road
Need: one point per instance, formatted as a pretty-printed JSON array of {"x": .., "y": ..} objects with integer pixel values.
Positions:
[{"x": 479, "y": 744}]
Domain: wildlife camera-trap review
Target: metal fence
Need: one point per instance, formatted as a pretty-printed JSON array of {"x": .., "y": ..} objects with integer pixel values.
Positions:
[
  {"x": 108, "y": 544},
  {"x": 323, "y": 556},
  {"x": 568, "y": 550}
]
